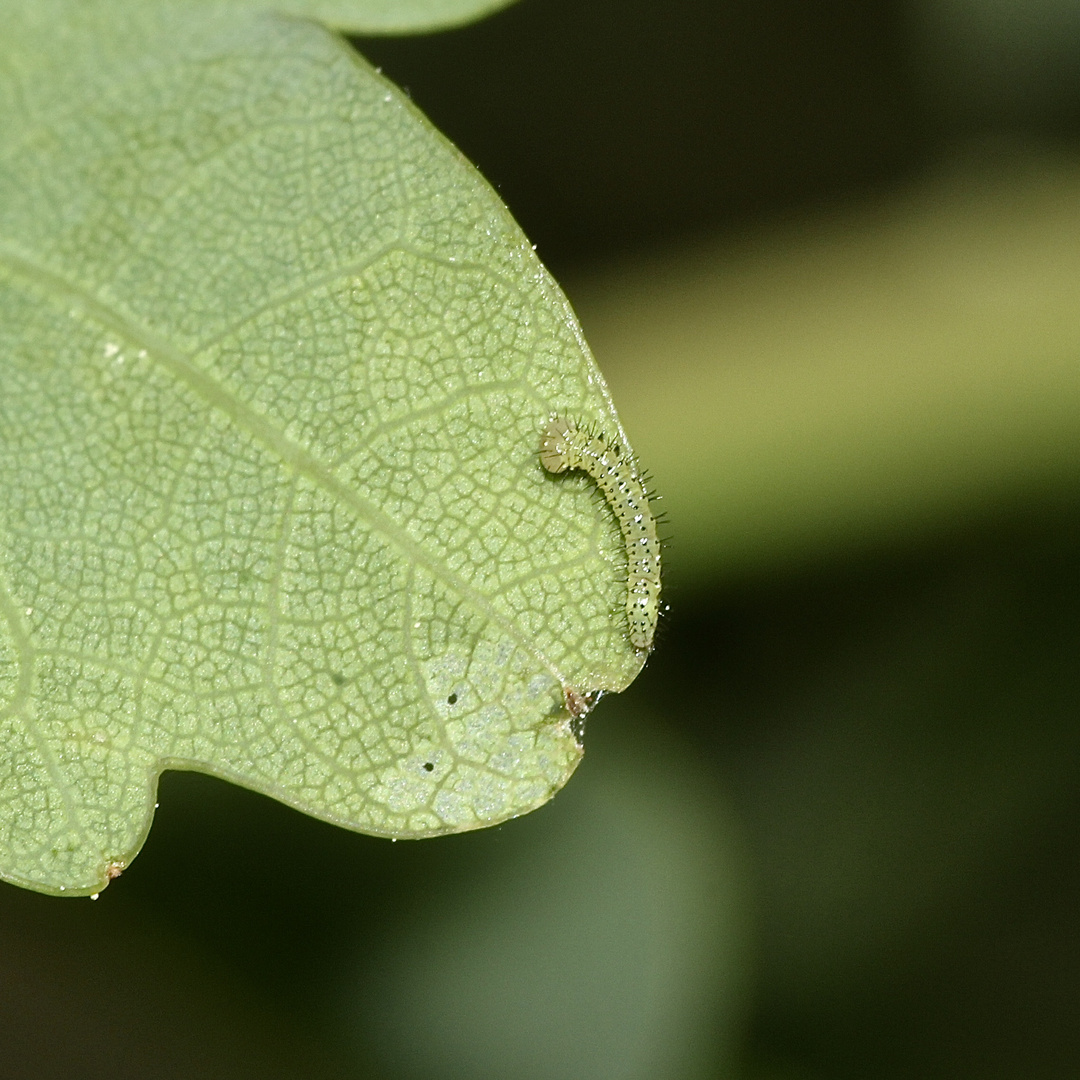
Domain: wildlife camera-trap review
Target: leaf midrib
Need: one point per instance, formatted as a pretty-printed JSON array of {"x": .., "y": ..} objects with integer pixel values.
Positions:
[{"x": 258, "y": 427}]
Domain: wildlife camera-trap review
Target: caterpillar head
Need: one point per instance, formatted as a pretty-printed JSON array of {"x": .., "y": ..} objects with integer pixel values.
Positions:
[{"x": 553, "y": 445}]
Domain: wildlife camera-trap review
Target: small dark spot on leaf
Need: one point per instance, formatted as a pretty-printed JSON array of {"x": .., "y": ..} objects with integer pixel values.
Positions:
[
  {"x": 578, "y": 704},
  {"x": 452, "y": 699},
  {"x": 428, "y": 766},
  {"x": 338, "y": 678}
]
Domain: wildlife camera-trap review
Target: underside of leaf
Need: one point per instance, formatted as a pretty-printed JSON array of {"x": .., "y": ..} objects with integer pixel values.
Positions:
[{"x": 274, "y": 364}]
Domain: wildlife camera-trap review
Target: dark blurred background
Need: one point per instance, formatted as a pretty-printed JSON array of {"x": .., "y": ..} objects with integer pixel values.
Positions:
[
  {"x": 833, "y": 830},
  {"x": 608, "y": 126}
]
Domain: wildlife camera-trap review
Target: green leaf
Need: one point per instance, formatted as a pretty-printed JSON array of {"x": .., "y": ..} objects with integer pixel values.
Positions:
[
  {"x": 384, "y": 16},
  {"x": 274, "y": 365},
  {"x": 361, "y": 16}
]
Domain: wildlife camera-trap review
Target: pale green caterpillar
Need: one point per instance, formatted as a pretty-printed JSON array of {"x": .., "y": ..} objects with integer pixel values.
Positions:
[{"x": 566, "y": 446}]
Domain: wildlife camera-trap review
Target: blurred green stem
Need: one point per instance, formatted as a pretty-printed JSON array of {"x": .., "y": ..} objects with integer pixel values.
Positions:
[{"x": 854, "y": 379}]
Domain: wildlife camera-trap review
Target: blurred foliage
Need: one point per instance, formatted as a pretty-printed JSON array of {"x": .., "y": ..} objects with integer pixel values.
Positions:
[
  {"x": 871, "y": 716},
  {"x": 894, "y": 366},
  {"x": 1001, "y": 60}
]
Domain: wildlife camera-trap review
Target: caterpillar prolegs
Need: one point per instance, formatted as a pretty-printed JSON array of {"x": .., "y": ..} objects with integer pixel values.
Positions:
[{"x": 565, "y": 447}]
